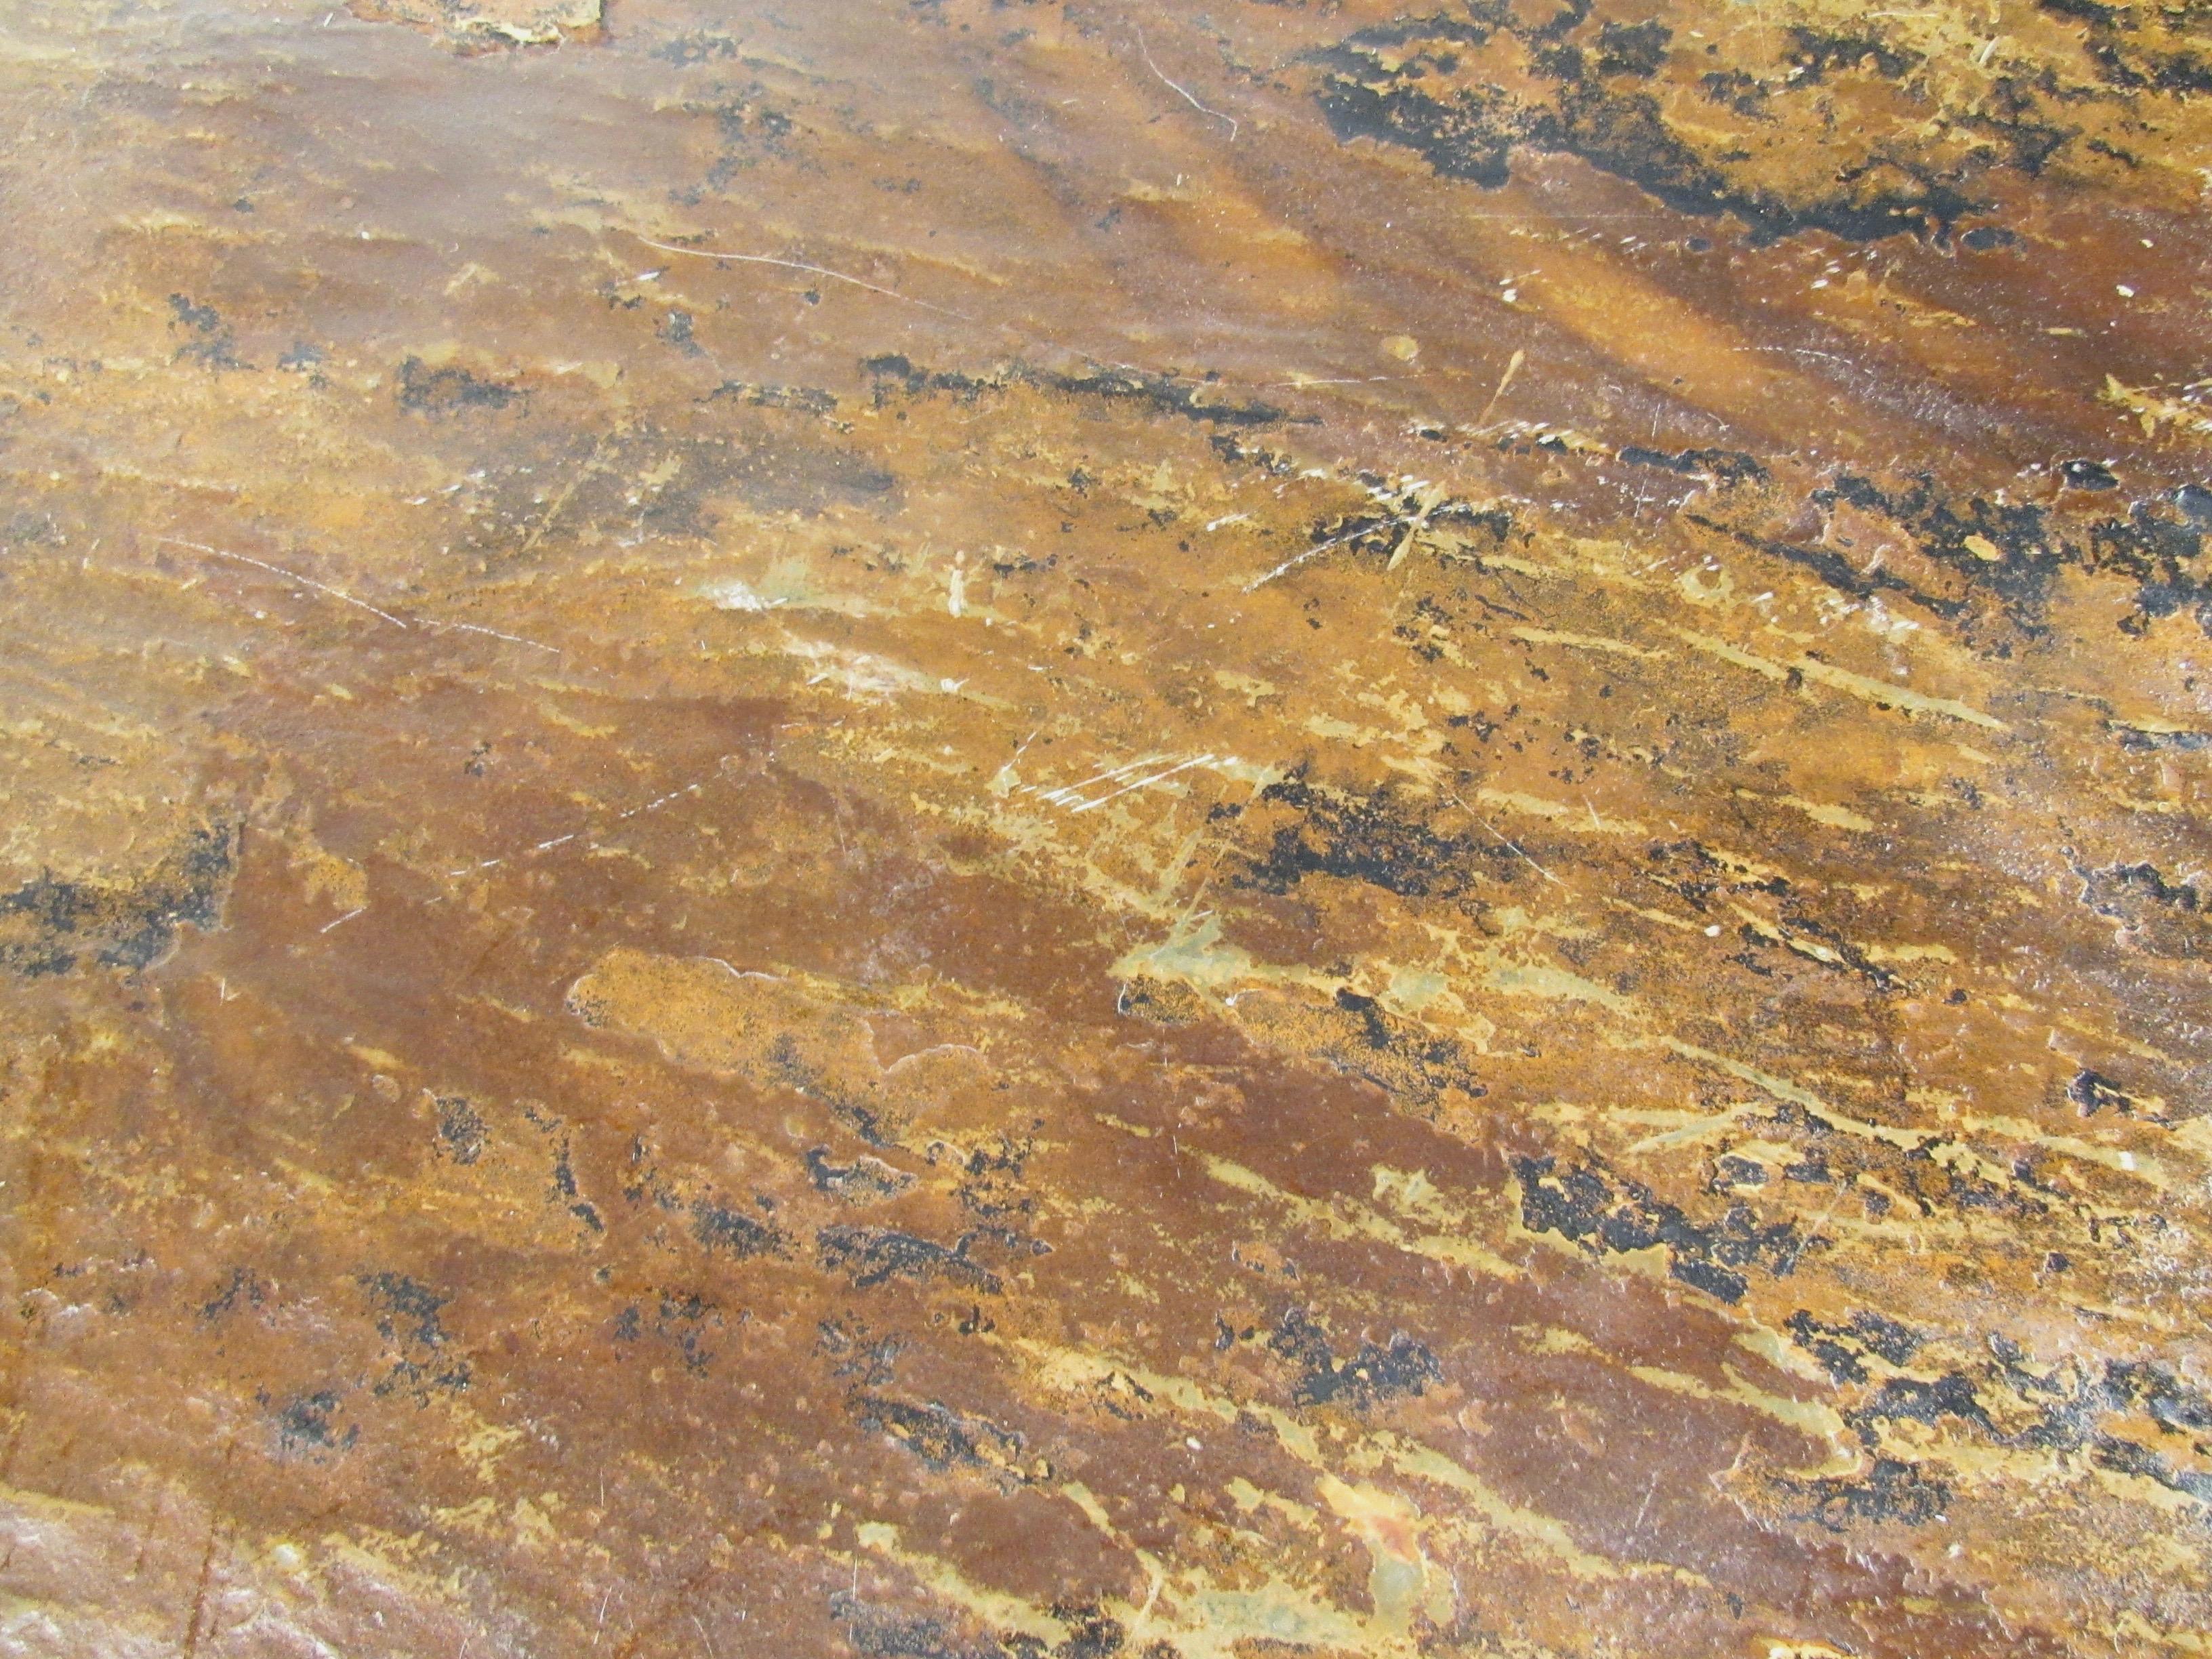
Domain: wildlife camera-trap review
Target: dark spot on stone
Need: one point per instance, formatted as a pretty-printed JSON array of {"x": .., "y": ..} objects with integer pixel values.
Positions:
[
  {"x": 1605, "y": 1215},
  {"x": 1830, "y": 566},
  {"x": 938, "y": 1435},
  {"x": 305, "y": 1425},
  {"x": 406, "y": 1311},
  {"x": 733, "y": 1232},
  {"x": 874, "y": 1255},
  {"x": 1376, "y": 840},
  {"x": 461, "y": 1128},
  {"x": 208, "y": 340},
  {"x": 49, "y": 926},
  {"x": 1891, "y": 1490},
  {"x": 863, "y": 1180},
  {"x": 1376, "y": 1373},
  {"x": 1637, "y": 49},
  {"x": 2093, "y": 1091},
  {"x": 245, "y": 1288},
  {"x": 438, "y": 392},
  {"x": 1165, "y": 394},
  {"x": 812, "y": 400},
  {"x": 1385, "y": 84},
  {"x": 879, "y": 1633},
  {"x": 675, "y": 330},
  {"x": 991, "y": 1188},
  {"x": 1726, "y": 466}
]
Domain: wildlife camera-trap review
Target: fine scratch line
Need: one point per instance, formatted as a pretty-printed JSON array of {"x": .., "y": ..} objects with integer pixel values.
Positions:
[
  {"x": 431, "y": 623},
  {"x": 1512, "y": 368},
  {"x": 588, "y": 836},
  {"x": 812, "y": 270},
  {"x": 1517, "y": 848},
  {"x": 512, "y": 639},
  {"x": 289, "y": 575},
  {"x": 1181, "y": 766},
  {"x": 1297, "y": 559},
  {"x": 1509, "y": 842},
  {"x": 1178, "y": 87},
  {"x": 1067, "y": 792}
]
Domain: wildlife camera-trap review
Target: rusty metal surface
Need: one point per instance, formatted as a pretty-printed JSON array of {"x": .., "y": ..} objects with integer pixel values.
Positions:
[{"x": 957, "y": 829}]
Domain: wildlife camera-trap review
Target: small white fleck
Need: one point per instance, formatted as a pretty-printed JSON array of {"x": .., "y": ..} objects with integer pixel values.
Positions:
[
  {"x": 1193, "y": 1445},
  {"x": 738, "y": 595},
  {"x": 1713, "y": 932},
  {"x": 1821, "y": 282},
  {"x": 2124, "y": 291}
]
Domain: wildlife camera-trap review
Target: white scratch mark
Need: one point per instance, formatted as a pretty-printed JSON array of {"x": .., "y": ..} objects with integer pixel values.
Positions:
[
  {"x": 738, "y": 594},
  {"x": 659, "y": 801},
  {"x": 341, "y": 594},
  {"x": 652, "y": 805},
  {"x": 1507, "y": 839},
  {"x": 1512, "y": 368},
  {"x": 1635, "y": 1528},
  {"x": 1183, "y": 90},
  {"x": 1005, "y": 773},
  {"x": 1068, "y": 791},
  {"x": 811, "y": 270},
  {"x": 1430, "y": 498},
  {"x": 1297, "y": 559},
  {"x": 736, "y": 972},
  {"x": 340, "y": 923},
  {"x": 512, "y": 639},
  {"x": 1517, "y": 848},
  {"x": 1181, "y": 766},
  {"x": 1341, "y": 380},
  {"x": 289, "y": 575}
]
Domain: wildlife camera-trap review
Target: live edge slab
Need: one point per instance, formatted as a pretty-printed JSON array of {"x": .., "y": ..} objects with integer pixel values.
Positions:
[{"x": 957, "y": 830}]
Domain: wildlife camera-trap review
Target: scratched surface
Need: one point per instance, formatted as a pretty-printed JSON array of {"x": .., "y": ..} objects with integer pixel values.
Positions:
[{"x": 966, "y": 830}]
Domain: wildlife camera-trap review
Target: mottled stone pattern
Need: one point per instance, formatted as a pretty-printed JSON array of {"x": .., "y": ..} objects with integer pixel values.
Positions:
[{"x": 967, "y": 830}]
